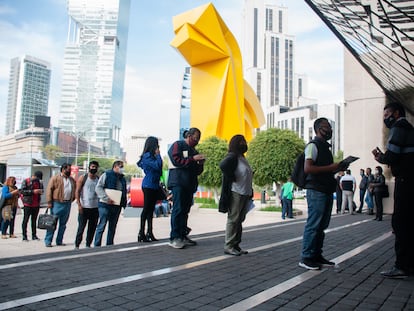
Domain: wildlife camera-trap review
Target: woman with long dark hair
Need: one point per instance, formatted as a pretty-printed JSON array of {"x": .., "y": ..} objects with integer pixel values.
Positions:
[
  {"x": 239, "y": 176},
  {"x": 151, "y": 163}
]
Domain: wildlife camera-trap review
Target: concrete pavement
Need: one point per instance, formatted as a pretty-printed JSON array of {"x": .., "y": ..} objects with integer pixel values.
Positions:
[{"x": 201, "y": 220}]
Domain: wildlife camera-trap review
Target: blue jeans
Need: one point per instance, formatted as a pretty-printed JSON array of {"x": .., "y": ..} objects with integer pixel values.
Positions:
[
  {"x": 287, "y": 210},
  {"x": 107, "y": 214},
  {"x": 182, "y": 202},
  {"x": 319, "y": 216},
  {"x": 62, "y": 210},
  {"x": 369, "y": 200}
]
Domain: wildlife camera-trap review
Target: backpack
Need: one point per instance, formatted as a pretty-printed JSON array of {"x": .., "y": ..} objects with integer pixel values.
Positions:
[{"x": 298, "y": 175}]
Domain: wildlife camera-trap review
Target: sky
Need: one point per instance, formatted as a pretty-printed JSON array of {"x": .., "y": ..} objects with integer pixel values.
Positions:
[{"x": 154, "y": 69}]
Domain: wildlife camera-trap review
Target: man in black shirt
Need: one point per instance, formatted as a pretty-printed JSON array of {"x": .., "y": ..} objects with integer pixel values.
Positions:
[{"x": 400, "y": 157}]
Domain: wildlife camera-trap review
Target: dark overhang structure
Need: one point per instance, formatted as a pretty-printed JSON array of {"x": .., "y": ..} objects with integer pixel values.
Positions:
[{"x": 380, "y": 35}]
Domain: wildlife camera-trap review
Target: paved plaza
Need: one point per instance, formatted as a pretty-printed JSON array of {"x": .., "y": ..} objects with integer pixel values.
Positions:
[{"x": 153, "y": 276}]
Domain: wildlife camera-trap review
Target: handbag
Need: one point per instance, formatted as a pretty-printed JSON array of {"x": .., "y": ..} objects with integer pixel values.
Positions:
[
  {"x": 382, "y": 190},
  {"x": 47, "y": 221},
  {"x": 6, "y": 212}
]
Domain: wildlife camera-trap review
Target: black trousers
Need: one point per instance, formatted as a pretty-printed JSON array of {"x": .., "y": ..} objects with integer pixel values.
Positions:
[
  {"x": 89, "y": 216},
  {"x": 378, "y": 205},
  {"x": 32, "y": 213},
  {"x": 150, "y": 198},
  {"x": 402, "y": 224}
]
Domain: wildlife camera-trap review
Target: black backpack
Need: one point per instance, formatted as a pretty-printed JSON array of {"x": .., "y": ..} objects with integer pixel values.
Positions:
[{"x": 298, "y": 175}]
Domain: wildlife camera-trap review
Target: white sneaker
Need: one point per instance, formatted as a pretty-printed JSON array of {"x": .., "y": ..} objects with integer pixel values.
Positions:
[{"x": 176, "y": 243}]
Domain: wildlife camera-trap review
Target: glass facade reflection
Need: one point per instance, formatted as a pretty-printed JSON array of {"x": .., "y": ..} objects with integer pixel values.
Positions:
[
  {"x": 94, "y": 71},
  {"x": 28, "y": 94}
]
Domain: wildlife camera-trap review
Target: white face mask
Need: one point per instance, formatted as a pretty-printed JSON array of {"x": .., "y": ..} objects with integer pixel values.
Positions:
[
  {"x": 121, "y": 170},
  {"x": 376, "y": 172}
]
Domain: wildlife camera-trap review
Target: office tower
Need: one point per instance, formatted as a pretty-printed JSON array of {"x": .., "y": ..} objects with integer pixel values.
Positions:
[
  {"x": 28, "y": 92},
  {"x": 94, "y": 71},
  {"x": 268, "y": 55},
  {"x": 185, "y": 108}
]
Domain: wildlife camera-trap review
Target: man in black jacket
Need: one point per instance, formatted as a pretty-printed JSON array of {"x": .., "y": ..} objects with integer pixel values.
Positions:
[{"x": 400, "y": 157}]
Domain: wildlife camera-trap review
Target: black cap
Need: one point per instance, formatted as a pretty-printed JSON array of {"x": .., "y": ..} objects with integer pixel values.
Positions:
[{"x": 38, "y": 174}]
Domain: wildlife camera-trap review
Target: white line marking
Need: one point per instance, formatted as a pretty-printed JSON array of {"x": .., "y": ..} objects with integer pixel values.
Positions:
[
  {"x": 278, "y": 289},
  {"x": 136, "y": 277}
]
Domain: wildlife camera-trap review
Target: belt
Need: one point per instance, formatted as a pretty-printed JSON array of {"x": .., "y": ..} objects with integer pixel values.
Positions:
[{"x": 67, "y": 201}]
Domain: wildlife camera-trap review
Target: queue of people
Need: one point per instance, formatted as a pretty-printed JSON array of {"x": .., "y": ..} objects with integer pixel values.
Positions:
[{"x": 100, "y": 199}]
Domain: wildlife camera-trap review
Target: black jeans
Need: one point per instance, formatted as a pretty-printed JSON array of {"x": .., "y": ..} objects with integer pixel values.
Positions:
[
  {"x": 89, "y": 216},
  {"x": 378, "y": 205},
  {"x": 402, "y": 223},
  {"x": 150, "y": 198},
  {"x": 32, "y": 213}
]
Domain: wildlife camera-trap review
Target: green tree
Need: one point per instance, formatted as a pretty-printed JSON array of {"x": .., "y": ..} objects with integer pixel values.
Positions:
[
  {"x": 215, "y": 150},
  {"x": 339, "y": 156},
  {"x": 52, "y": 152},
  {"x": 272, "y": 155}
]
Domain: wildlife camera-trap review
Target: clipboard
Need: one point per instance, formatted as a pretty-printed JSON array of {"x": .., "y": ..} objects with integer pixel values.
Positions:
[{"x": 114, "y": 195}]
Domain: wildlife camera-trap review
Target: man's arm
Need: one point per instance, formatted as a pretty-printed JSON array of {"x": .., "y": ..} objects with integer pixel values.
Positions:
[{"x": 78, "y": 192}]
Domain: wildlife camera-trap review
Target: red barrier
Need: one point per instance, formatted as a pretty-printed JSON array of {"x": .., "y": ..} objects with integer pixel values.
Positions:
[{"x": 135, "y": 192}]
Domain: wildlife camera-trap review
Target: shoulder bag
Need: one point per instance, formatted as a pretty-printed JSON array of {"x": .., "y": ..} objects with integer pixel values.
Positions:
[{"x": 47, "y": 221}]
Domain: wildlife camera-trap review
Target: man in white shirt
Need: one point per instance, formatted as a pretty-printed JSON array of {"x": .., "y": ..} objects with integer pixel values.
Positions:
[{"x": 347, "y": 184}]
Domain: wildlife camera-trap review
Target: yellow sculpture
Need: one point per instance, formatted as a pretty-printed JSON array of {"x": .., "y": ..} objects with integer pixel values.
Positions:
[{"x": 222, "y": 102}]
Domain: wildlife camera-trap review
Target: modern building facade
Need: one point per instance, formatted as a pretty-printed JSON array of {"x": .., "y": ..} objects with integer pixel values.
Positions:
[
  {"x": 269, "y": 65},
  {"x": 185, "y": 107},
  {"x": 28, "y": 94},
  {"x": 378, "y": 67},
  {"x": 94, "y": 71}
]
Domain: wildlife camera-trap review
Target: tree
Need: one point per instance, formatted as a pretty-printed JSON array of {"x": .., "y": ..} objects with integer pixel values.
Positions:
[
  {"x": 52, "y": 152},
  {"x": 272, "y": 155},
  {"x": 215, "y": 150}
]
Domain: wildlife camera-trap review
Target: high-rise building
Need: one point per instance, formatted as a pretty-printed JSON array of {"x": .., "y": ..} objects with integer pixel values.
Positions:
[
  {"x": 269, "y": 59},
  {"x": 94, "y": 71},
  {"x": 28, "y": 95},
  {"x": 185, "y": 108}
]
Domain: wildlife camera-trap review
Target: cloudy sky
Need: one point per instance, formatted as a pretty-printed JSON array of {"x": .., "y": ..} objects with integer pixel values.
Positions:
[{"x": 154, "y": 69}]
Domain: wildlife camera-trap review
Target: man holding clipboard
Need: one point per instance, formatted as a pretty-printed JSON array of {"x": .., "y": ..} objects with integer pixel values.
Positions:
[{"x": 112, "y": 193}]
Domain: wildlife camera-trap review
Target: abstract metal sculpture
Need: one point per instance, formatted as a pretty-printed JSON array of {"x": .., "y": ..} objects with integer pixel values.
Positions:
[{"x": 223, "y": 104}]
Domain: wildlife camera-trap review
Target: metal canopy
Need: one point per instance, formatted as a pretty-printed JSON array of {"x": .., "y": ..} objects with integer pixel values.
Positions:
[{"x": 380, "y": 34}]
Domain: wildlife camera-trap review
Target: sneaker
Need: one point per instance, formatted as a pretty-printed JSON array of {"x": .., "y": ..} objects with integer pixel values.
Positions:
[
  {"x": 25, "y": 239},
  {"x": 176, "y": 243},
  {"x": 242, "y": 251},
  {"x": 309, "y": 264},
  {"x": 189, "y": 242},
  {"x": 48, "y": 245},
  {"x": 35, "y": 238},
  {"x": 324, "y": 262},
  {"x": 12, "y": 236},
  {"x": 394, "y": 273},
  {"x": 232, "y": 251},
  {"x": 61, "y": 244}
]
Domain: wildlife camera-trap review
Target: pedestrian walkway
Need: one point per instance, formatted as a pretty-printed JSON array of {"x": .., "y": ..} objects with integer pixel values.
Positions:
[{"x": 154, "y": 276}]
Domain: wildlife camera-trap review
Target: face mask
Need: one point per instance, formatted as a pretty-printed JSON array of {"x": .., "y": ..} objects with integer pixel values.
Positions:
[
  {"x": 326, "y": 134},
  {"x": 376, "y": 172},
  {"x": 121, "y": 170},
  {"x": 67, "y": 173},
  {"x": 389, "y": 122},
  {"x": 192, "y": 142},
  {"x": 93, "y": 171},
  {"x": 243, "y": 149},
  {"x": 362, "y": 174}
]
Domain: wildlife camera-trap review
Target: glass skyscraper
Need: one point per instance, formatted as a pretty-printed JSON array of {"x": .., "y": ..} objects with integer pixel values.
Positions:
[
  {"x": 94, "y": 71},
  {"x": 28, "y": 94}
]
